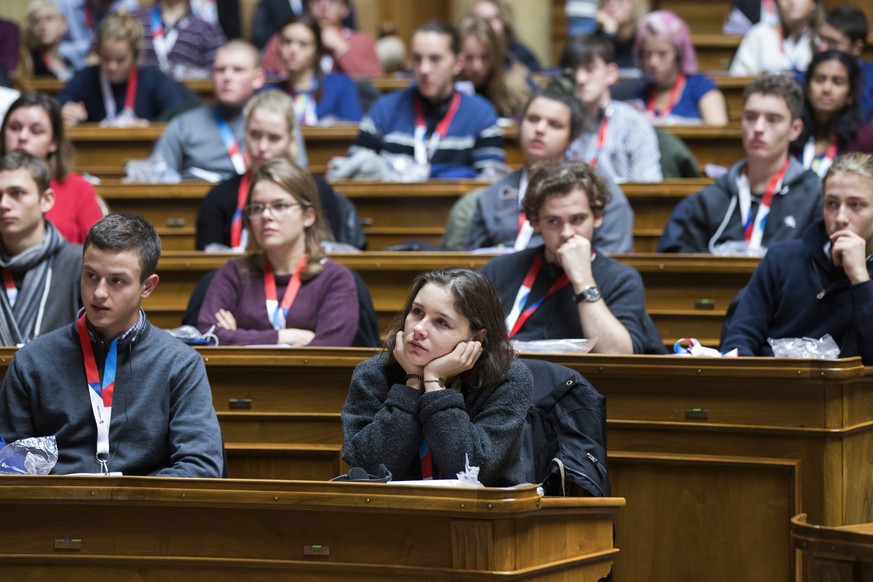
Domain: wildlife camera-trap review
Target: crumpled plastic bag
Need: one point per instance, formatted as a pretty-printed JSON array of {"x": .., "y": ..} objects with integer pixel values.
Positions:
[
  {"x": 824, "y": 348},
  {"x": 192, "y": 336},
  {"x": 30, "y": 456},
  {"x": 470, "y": 475},
  {"x": 364, "y": 164},
  {"x": 738, "y": 248},
  {"x": 152, "y": 170}
]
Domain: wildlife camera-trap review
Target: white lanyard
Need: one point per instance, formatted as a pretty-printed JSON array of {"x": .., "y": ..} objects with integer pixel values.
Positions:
[
  {"x": 162, "y": 41},
  {"x": 526, "y": 231}
]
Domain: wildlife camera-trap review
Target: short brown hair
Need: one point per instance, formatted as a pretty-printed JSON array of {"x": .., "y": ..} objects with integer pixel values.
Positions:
[
  {"x": 780, "y": 86},
  {"x": 36, "y": 168},
  {"x": 553, "y": 179}
]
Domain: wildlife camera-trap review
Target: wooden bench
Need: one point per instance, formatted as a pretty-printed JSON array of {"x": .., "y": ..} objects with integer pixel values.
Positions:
[
  {"x": 202, "y": 530},
  {"x": 103, "y": 151},
  {"x": 686, "y": 295}
]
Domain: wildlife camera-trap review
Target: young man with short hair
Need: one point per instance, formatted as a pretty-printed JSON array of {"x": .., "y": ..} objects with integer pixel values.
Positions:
[
  {"x": 821, "y": 283},
  {"x": 845, "y": 29},
  {"x": 120, "y": 395},
  {"x": 453, "y": 134},
  {"x": 38, "y": 265},
  {"x": 764, "y": 199},
  {"x": 549, "y": 121},
  {"x": 207, "y": 142},
  {"x": 566, "y": 288},
  {"x": 619, "y": 140}
]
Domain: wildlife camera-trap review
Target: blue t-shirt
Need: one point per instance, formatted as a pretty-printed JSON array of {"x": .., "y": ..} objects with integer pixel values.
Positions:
[
  {"x": 339, "y": 97},
  {"x": 696, "y": 86}
]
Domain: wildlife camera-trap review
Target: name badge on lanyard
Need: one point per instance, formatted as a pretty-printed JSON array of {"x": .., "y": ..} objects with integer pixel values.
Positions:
[
  {"x": 754, "y": 225},
  {"x": 100, "y": 391},
  {"x": 129, "y": 99},
  {"x": 275, "y": 311},
  {"x": 424, "y": 148},
  {"x": 162, "y": 41},
  {"x": 237, "y": 158}
]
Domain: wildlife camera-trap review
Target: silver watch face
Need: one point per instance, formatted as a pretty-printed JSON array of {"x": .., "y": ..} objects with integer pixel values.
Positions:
[{"x": 591, "y": 294}]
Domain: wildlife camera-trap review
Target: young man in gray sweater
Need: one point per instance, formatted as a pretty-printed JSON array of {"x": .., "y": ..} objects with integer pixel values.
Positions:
[{"x": 120, "y": 395}]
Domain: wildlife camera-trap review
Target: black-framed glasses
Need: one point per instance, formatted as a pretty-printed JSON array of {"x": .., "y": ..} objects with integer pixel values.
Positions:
[{"x": 277, "y": 209}]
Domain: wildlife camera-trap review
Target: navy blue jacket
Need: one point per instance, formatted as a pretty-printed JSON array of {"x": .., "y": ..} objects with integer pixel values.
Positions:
[{"x": 796, "y": 291}]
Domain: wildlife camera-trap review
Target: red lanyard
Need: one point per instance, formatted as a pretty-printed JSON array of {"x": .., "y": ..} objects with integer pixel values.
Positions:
[
  {"x": 601, "y": 139},
  {"x": 11, "y": 289},
  {"x": 236, "y": 224},
  {"x": 527, "y": 286},
  {"x": 440, "y": 131},
  {"x": 276, "y": 312},
  {"x": 766, "y": 201},
  {"x": 130, "y": 97},
  {"x": 675, "y": 93}
]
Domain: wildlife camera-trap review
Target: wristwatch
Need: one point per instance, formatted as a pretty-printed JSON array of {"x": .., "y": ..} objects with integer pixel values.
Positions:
[{"x": 589, "y": 294}]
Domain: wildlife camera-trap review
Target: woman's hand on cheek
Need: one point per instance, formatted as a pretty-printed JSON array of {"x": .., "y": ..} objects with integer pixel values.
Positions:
[
  {"x": 401, "y": 357},
  {"x": 462, "y": 358}
]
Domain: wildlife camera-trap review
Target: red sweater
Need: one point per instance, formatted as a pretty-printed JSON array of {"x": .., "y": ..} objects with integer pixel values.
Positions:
[{"x": 76, "y": 208}]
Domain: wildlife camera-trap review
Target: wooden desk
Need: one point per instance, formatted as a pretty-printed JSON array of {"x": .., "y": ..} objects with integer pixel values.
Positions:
[
  {"x": 713, "y": 456},
  {"x": 675, "y": 285},
  {"x": 103, "y": 151},
  {"x": 206, "y": 530},
  {"x": 386, "y": 209},
  {"x": 835, "y": 554}
]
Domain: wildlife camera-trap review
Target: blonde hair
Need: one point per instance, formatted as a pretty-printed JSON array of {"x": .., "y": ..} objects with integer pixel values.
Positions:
[
  {"x": 281, "y": 103},
  {"x": 857, "y": 163},
  {"x": 506, "y": 87},
  {"x": 29, "y": 40},
  {"x": 123, "y": 27}
]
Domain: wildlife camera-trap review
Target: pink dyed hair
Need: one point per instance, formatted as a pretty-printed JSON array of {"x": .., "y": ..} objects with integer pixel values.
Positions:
[{"x": 667, "y": 25}]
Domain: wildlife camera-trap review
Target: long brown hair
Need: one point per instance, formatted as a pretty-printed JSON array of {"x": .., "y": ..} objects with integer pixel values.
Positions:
[
  {"x": 477, "y": 298},
  {"x": 506, "y": 87}
]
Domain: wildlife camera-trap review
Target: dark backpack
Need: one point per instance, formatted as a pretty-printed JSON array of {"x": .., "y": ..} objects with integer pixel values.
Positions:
[{"x": 564, "y": 445}]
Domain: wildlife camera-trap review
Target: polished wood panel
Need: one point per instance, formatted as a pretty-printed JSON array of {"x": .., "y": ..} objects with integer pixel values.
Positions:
[
  {"x": 835, "y": 554},
  {"x": 103, "y": 151},
  {"x": 686, "y": 295},
  {"x": 713, "y": 455},
  {"x": 203, "y": 530},
  {"x": 392, "y": 213}
]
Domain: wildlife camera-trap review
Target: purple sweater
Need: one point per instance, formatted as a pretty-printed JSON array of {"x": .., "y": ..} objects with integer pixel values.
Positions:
[{"x": 326, "y": 304}]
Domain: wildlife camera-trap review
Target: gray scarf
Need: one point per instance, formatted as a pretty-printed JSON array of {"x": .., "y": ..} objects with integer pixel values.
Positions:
[{"x": 20, "y": 322}]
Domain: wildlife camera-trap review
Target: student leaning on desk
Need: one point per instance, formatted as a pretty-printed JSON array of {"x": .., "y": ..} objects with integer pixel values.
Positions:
[{"x": 447, "y": 387}]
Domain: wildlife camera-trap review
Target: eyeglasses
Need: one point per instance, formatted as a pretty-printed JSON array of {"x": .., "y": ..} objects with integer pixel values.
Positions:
[{"x": 278, "y": 210}]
